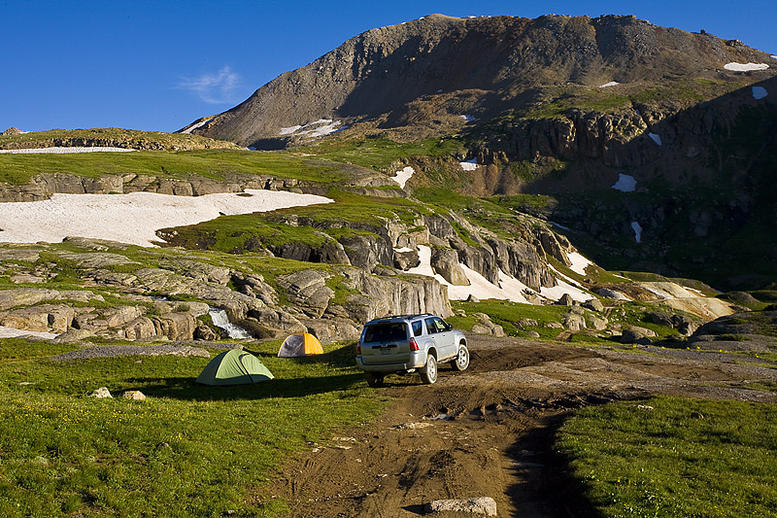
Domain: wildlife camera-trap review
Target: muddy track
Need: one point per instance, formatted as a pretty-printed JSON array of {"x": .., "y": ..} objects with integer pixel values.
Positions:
[{"x": 490, "y": 430}]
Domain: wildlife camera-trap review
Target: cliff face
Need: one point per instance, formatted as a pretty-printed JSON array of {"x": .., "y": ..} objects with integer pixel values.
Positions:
[{"x": 503, "y": 59}]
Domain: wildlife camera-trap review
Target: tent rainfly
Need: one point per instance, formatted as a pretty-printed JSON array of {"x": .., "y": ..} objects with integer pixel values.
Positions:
[
  {"x": 234, "y": 367},
  {"x": 300, "y": 344}
]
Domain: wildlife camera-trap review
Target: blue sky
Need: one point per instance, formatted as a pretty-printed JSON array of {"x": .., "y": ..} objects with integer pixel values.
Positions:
[{"x": 161, "y": 64}]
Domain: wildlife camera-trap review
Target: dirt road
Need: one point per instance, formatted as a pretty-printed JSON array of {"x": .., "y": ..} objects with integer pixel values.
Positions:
[{"x": 489, "y": 431}]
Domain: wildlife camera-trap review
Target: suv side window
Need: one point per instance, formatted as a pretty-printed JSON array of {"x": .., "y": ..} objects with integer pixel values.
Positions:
[
  {"x": 440, "y": 325},
  {"x": 418, "y": 327},
  {"x": 430, "y": 326}
]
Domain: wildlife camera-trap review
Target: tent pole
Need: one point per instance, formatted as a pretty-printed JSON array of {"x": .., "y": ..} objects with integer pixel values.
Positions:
[{"x": 240, "y": 359}]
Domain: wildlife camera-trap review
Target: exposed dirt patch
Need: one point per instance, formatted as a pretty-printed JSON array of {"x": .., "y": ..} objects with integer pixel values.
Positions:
[{"x": 489, "y": 431}]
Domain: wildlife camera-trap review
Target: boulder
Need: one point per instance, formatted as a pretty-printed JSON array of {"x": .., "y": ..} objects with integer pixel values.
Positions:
[
  {"x": 175, "y": 326},
  {"x": 307, "y": 289},
  {"x": 636, "y": 335},
  {"x": 26, "y": 278},
  {"x": 367, "y": 250},
  {"x": 527, "y": 322},
  {"x": 445, "y": 261},
  {"x": 489, "y": 329},
  {"x": 374, "y": 296},
  {"x": 135, "y": 395},
  {"x": 611, "y": 294},
  {"x": 406, "y": 258},
  {"x": 278, "y": 321},
  {"x": 139, "y": 329},
  {"x": 484, "y": 326},
  {"x": 120, "y": 315},
  {"x": 329, "y": 330},
  {"x": 597, "y": 323},
  {"x": 574, "y": 321},
  {"x": 483, "y": 505},
  {"x": 565, "y": 300},
  {"x": 55, "y": 318},
  {"x": 101, "y": 393},
  {"x": 254, "y": 286},
  {"x": 682, "y": 323},
  {"x": 97, "y": 259},
  {"x": 330, "y": 252},
  {"x": 73, "y": 335},
  {"x": 205, "y": 332},
  {"x": 25, "y": 297},
  {"x": 594, "y": 305}
]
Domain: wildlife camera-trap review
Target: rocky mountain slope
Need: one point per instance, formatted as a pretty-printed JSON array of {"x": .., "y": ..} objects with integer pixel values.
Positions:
[
  {"x": 494, "y": 64},
  {"x": 563, "y": 107},
  {"x": 13, "y": 139}
]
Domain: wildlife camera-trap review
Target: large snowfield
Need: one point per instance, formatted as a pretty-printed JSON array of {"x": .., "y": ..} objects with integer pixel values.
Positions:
[
  {"x": 509, "y": 288},
  {"x": 66, "y": 150},
  {"x": 131, "y": 218}
]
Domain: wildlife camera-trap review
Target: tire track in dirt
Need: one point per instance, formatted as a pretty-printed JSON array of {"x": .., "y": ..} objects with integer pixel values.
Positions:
[{"x": 486, "y": 432}]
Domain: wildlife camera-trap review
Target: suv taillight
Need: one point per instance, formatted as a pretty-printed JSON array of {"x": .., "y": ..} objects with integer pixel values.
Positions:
[
  {"x": 413, "y": 344},
  {"x": 358, "y": 349}
]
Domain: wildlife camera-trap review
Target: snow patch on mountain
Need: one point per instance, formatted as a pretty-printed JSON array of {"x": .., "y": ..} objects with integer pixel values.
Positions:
[
  {"x": 402, "y": 176},
  {"x": 195, "y": 126},
  {"x": 66, "y": 150},
  {"x": 745, "y": 67},
  {"x": 625, "y": 183},
  {"x": 637, "y": 228},
  {"x": 469, "y": 165},
  {"x": 131, "y": 218},
  {"x": 579, "y": 262},
  {"x": 313, "y": 129}
]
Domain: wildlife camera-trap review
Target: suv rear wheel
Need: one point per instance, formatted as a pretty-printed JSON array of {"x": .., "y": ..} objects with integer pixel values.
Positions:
[
  {"x": 429, "y": 371},
  {"x": 461, "y": 362},
  {"x": 374, "y": 380}
]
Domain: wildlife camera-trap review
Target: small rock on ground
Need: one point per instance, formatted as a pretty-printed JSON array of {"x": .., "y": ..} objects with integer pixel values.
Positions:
[
  {"x": 101, "y": 393},
  {"x": 134, "y": 394},
  {"x": 484, "y": 505}
]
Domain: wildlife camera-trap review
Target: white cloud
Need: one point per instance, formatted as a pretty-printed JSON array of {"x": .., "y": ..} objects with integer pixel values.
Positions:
[{"x": 218, "y": 88}]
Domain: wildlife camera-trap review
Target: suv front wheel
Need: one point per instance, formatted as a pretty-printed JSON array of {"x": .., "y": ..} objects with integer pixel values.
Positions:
[
  {"x": 461, "y": 362},
  {"x": 429, "y": 371}
]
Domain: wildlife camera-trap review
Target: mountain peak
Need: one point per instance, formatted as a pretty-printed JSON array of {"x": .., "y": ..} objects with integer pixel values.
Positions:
[{"x": 492, "y": 61}]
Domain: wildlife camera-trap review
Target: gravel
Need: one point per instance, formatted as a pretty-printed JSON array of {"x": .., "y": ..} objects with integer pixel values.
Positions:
[{"x": 112, "y": 351}]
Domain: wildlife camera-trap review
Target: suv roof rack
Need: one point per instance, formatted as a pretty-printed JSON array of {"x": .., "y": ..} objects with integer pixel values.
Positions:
[{"x": 392, "y": 317}]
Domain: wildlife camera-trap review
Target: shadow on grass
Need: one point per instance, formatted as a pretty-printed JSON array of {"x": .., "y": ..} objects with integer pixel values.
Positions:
[
  {"x": 344, "y": 356},
  {"x": 185, "y": 388}
]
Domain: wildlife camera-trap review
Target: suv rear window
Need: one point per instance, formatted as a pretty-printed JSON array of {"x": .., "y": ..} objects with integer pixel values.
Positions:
[{"x": 386, "y": 332}]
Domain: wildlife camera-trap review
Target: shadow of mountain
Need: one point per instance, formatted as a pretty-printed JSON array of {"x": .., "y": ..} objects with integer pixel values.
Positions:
[{"x": 705, "y": 198}]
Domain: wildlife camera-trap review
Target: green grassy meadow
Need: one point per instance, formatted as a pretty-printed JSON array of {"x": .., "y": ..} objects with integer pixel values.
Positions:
[
  {"x": 188, "y": 450},
  {"x": 216, "y": 164},
  {"x": 685, "y": 457}
]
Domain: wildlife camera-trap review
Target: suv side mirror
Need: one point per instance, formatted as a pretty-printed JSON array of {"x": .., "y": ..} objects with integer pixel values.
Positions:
[{"x": 448, "y": 327}]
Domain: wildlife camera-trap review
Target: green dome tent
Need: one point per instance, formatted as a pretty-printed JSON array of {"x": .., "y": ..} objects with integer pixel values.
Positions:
[{"x": 234, "y": 367}]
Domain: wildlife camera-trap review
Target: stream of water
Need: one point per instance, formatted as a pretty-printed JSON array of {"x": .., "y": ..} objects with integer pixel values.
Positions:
[{"x": 220, "y": 320}]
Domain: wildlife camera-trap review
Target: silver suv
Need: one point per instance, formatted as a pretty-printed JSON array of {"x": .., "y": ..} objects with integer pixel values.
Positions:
[{"x": 409, "y": 343}]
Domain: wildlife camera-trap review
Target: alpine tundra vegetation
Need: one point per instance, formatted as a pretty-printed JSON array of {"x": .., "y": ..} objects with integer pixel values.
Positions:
[{"x": 590, "y": 200}]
